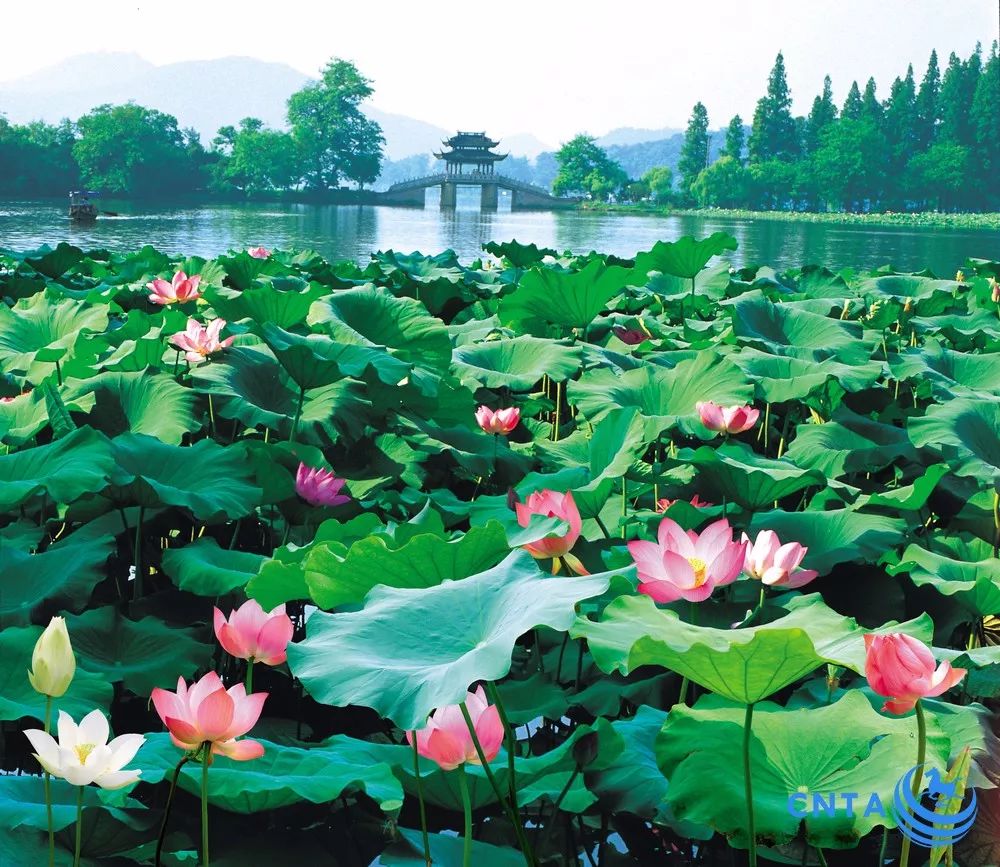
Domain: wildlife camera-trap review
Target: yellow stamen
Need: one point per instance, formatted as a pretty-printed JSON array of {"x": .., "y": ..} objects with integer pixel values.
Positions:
[
  {"x": 84, "y": 750},
  {"x": 700, "y": 569}
]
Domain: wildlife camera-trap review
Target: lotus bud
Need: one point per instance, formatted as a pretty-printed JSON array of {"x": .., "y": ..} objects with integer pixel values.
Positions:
[
  {"x": 959, "y": 276},
  {"x": 52, "y": 662},
  {"x": 908, "y": 306},
  {"x": 994, "y": 290}
]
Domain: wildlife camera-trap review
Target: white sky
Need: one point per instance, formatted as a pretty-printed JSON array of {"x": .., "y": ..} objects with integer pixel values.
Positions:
[{"x": 549, "y": 67}]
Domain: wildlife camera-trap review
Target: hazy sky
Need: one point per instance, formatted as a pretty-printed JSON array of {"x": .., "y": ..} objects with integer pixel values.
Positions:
[{"x": 550, "y": 67}]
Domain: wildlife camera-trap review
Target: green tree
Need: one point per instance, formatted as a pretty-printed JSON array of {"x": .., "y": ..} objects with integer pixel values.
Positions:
[
  {"x": 724, "y": 184},
  {"x": 823, "y": 113},
  {"x": 772, "y": 135},
  {"x": 255, "y": 159},
  {"x": 772, "y": 184},
  {"x": 900, "y": 128},
  {"x": 335, "y": 138},
  {"x": 585, "y": 167},
  {"x": 735, "y": 139},
  {"x": 132, "y": 150},
  {"x": 926, "y": 106},
  {"x": 37, "y": 159},
  {"x": 694, "y": 152},
  {"x": 958, "y": 89},
  {"x": 986, "y": 122},
  {"x": 853, "y": 105},
  {"x": 937, "y": 176},
  {"x": 871, "y": 108},
  {"x": 846, "y": 171},
  {"x": 660, "y": 180}
]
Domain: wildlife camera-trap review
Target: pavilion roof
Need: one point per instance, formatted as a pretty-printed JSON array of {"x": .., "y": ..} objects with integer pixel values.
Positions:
[{"x": 470, "y": 156}]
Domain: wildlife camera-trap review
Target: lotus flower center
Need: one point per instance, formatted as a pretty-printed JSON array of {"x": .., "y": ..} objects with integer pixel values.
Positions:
[
  {"x": 84, "y": 750},
  {"x": 700, "y": 568}
]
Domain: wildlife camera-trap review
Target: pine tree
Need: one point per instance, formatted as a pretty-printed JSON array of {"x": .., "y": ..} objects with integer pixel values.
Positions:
[
  {"x": 958, "y": 89},
  {"x": 986, "y": 121},
  {"x": 773, "y": 134},
  {"x": 926, "y": 108},
  {"x": 694, "y": 153},
  {"x": 852, "y": 105},
  {"x": 735, "y": 140},
  {"x": 823, "y": 113},
  {"x": 871, "y": 108}
]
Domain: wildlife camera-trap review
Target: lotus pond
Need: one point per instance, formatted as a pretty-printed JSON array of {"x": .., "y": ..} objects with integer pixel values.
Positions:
[{"x": 731, "y": 543}]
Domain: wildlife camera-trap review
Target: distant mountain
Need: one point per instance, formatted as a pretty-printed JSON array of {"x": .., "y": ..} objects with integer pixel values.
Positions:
[
  {"x": 523, "y": 144},
  {"x": 630, "y": 135}
]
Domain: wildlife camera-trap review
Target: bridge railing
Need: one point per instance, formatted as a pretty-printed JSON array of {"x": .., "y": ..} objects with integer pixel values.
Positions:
[{"x": 475, "y": 177}]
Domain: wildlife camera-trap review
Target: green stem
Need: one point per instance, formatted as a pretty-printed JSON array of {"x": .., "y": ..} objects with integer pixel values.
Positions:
[
  {"x": 600, "y": 524},
  {"x": 205, "y": 758},
  {"x": 624, "y": 506},
  {"x": 298, "y": 414},
  {"x": 918, "y": 777},
  {"x": 137, "y": 589},
  {"x": 821, "y": 857},
  {"x": 420, "y": 798},
  {"x": 682, "y": 696},
  {"x": 249, "y": 682},
  {"x": 79, "y": 825},
  {"x": 463, "y": 785},
  {"x": 58, "y": 373},
  {"x": 748, "y": 785},
  {"x": 996, "y": 523},
  {"x": 881, "y": 851},
  {"x": 511, "y": 738},
  {"x": 167, "y": 808},
  {"x": 48, "y": 788},
  {"x": 555, "y": 427}
]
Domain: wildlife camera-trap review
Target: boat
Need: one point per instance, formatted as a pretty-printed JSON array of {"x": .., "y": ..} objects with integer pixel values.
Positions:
[{"x": 81, "y": 206}]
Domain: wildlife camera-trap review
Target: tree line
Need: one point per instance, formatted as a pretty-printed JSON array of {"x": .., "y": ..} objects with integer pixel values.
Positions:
[
  {"x": 131, "y": 150},
  {"x": 932, "y": 145}
]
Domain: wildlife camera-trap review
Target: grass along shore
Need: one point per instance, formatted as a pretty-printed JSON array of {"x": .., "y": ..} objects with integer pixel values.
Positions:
[{"x": 923, "y": 219}]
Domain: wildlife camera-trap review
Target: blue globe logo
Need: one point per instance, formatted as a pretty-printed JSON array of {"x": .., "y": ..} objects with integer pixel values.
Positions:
[{"x": 922, "y": 825}]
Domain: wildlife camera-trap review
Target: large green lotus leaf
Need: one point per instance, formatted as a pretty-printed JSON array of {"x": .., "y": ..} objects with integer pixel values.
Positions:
[
  {"x": 745, "y": 665},
  {"x": 908, "y": 497},
  {"x": 211, "y": 480},
  {"x": 966, "y": 433},
  {"x": 22, "y": 417},
  {"x": 849, "y": 443},
  {"x": 569, "y": 299},
  {"x": 517, "y": 254},
  {"x": 470, "y": 447},
  {"x": 972, "y": 575},
  {"x": 285, "y": 303},
  {"x": 666, "y": 395},
  {"x": 64, "y": 470},
  {"x": 845, "y": 747},
  {"x": 949, "y": 372},
  {"x": 445, "y": 849},
  {"x": 615, "y": 444},
  {"x": 17, "y": 697},
  {"x": 65, "y": 572},
  {"x": 141, "y": 654},
  {"x": 412, "y": 650},
  {"x": 517, "y": 363},
  {"x": 735, "y": 472},
  {"x": 684, "y": 257},
  {"x": 23, "y": 805},
  {"x": 903, "y": 286},
  {"x": 312, "y": 360},
  {"x": 140, "y": 403},
  {"x": 373, "y": 317},
  {"x": 283, "y": 775},
  {"x": 781, "y": 378},
  {"x": 424, "y": 561},
  {"x": 342, "y": 408},
  {"x": 836, "y": 536},
  {"x": 44, "y": 329},
  {"x": 785, "y": 330},
  {"x": 208, "y": 570},
  {"x": 55, "y": 263}
]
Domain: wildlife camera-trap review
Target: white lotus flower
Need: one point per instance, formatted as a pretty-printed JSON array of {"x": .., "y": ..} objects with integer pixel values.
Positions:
[{"x": 82, "y": 755}]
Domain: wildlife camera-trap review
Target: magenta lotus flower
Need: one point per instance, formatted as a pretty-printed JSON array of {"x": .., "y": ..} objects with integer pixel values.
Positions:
[
  {"x": 446, "y": 739},
  {"x": 631, "y": 336},
  {"x": 259, "y": 252},
  {"x": 319, "y": 487},
  {"x": 775, "y": 564},
  {"x": 551, "y": 505},
  {"x": 663, "y": 504},
  {"x": 687, "y": 565},
  {"x": 181, "y": 289},
  {"x": 200, "y": 341},
  {"x": 503, "y": 421},
  {"x": 731, "y": 419},
  {"x": 208, "y": 713},
  {"x": 251, "y": 633},
  {"x": 901, "y": 668}
]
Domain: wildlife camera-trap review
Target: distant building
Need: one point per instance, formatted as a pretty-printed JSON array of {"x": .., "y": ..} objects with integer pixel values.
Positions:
[{"x": 470, "y": 149}]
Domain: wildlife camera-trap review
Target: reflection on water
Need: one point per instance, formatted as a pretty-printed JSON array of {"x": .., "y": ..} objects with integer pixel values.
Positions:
[{"x": 354, "y": 232}]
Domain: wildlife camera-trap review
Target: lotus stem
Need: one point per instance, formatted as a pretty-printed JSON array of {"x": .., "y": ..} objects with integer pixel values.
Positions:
[
  {"x": 881, "y": 851},
  {"x": 463, "y": 785},
  {"x": 48, "y": 788},
  {"x": 138, "y": 588},
  {"x": 249, "y": 679},
  {"x": 682, "y": 695},
  {"x": 600, "y": 524},
  {"x": 624, "y": 505},
  {"x": 205, "y": 758},
  {"x": 58, "y": 373},
  {"x": 748, "y": 786},
  {"x": 511, "y": 737},
  {"x": 555, "y": 427},
  {"x": 821, "y": 857},
  {"x": 420, "y": 799},
  {"x": 298, "y": 414},
  {"x": 918, "y": 777},
  {"x": 996, "y": 522},
  {"x": 79, "y": 823},
  {"x": 166, "y": 810}
]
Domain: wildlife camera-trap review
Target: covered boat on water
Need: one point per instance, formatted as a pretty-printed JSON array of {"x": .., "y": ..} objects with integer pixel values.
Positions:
[{"x": 82, "y": 206}]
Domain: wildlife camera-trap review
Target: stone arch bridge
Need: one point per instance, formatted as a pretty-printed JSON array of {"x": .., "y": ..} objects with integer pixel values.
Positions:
[{"x": 524, "y": 196}]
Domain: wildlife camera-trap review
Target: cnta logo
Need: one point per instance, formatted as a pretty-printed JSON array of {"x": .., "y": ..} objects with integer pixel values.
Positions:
[{"x": 924, "y": 826}]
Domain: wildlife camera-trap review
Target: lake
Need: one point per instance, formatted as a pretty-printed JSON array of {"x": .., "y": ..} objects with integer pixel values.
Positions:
[{"x": 355, "y": 231}]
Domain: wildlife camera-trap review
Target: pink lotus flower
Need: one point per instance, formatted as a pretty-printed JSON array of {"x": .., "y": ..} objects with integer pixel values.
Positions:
[
  {"x": 259, "y": 252},
  {"x": 775, "y": 564},
  {"x": 631, "y": 336},
  {"x": 200, "y": 341},
  {"x": 901, "y": 668},
  {"x": 319, "y": 487},
  {"x": 252, "y": 634},
  {"x": 503, "y": 421},
  {"x": 209, "y": 713},
  {"x": 664, "y": 504},
  {"x": 181, "y": 289},
  {"x": 731, "y": 419},
  {"x": 446, "y": 739},
  {"x": 994, "y": 290},
  {"x": 687, "y": 565},
  {"x": 551, "y": 505}
]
